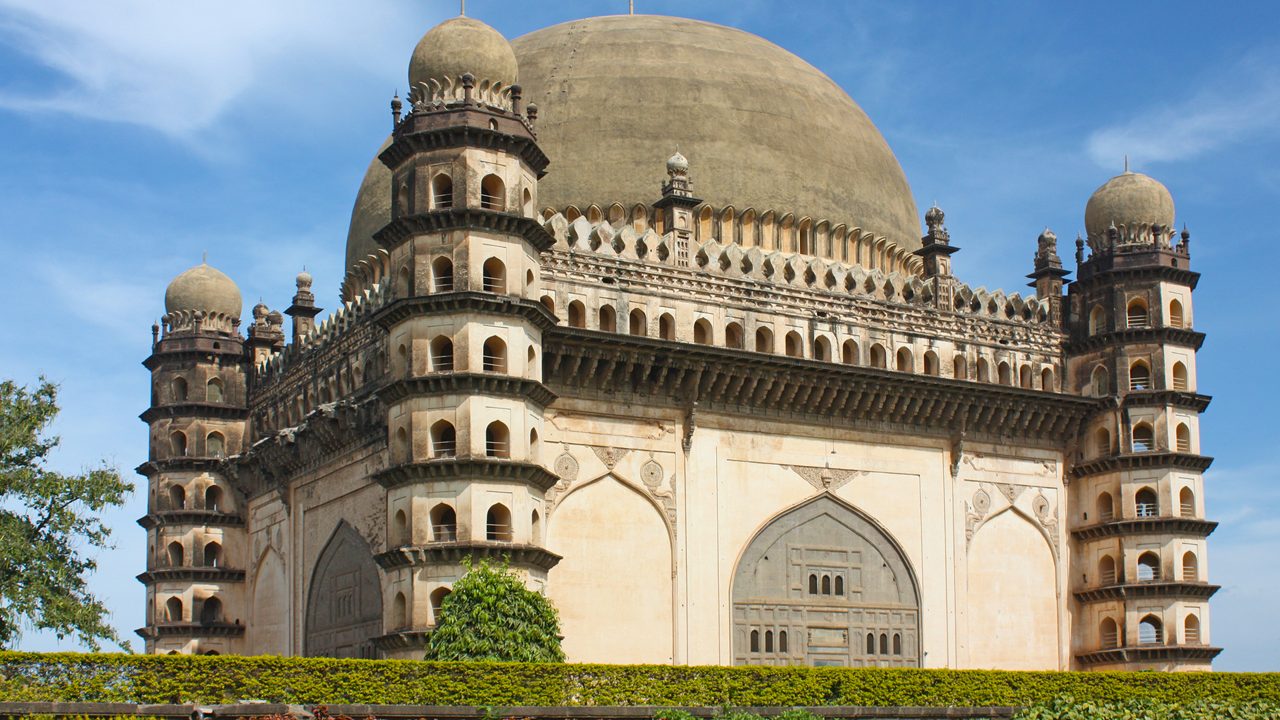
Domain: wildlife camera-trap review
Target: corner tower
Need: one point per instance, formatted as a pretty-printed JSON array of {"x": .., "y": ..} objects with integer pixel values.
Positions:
[
  {"x": 465, "y": 404},
  {"x": 1141, "y": 591},
  {"x": 196, "y": 543}
]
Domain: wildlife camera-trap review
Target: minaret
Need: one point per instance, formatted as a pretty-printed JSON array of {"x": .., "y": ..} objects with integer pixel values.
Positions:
[
  {"x": 1138, "y": 526},
  {"x": 196, "y": 543},
  {"x": 303, "y": 310},
  {"x": 1047, "y": 277},
  {"x": 676, "y": 205},
  {"x": 936, "y": 250},
  {"x": 466, "y": 401}
]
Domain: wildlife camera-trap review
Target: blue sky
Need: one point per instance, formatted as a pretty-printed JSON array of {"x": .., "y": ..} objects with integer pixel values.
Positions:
[{"x": 136, "y": 135}]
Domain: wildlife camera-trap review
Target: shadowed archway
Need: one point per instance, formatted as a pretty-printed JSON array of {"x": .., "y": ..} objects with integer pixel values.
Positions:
[{"x": 344, "y": 604}]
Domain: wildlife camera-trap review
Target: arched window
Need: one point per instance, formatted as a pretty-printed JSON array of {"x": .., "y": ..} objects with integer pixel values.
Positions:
[
  {"x": 1191, "y": 630},
  {"x": 984, "y": 370},
  {"x": 1144, "y": 438},
  {"x": 533, "y": 445},
  {"x": 1148, "y": 567},
  {"x": 498, "y": 524},
  {"x": 549, "y": 303},
  {"x": 794, "y": 344},
  {"x": 1004, "y": 373},
  {"x": 849, "y": 353},
  {"x": 1106, "y": 507},
  {"x": 211, "y": 611},
  {"x": 497, "y": 440},
  {"x": 905, "y": 361},
  {"x": 399, "y": 612},
  {"x": 535, "y": 527},
  {"x": 960, "y": 368},
  {"x": 403, "y": 451},
  {"x": 176, "y": 555},
  {"x": 638, "y": 324},
  {"x": 1024, "y": 377},
  {"x": 897, "y": 643},
  {"x": 1175, "y": 314},
  {"x": 1145, "y": 503},
  {"x": 1097, "y": 320},
  {"x": 705, "y": 232},
  {"x": 1139, "y": 376},
  {"x": 441, "y": 275},
  {"x": 493, "y": 193},
  {"x": 444, "y": 440},
  {"x": 441, "y": 192},
  {"x": 840, "y": 585},
  {"x": 702, "y": 331},
  {"x": 608, "y": 318},
  {"x": 177, "y": 497},
  {"x": 733, "y": 336},
  {"x": 666, "y": 327},
  {"x": 178, "y": 388},
  {"x": 215, "y": 445},
  {"x": 1136, "y": 314},
  {"x": 755, "y": 641},
  {"x": 213, "y": 391},
  {"x": 1187, "y": 503},
  {"x": 404, "y": 286},
  {"x": 1046, "y": 380},
  {"x": 1183, "y": 436},
  {"x": 826, "y": 584},
  {"x": 495, "y": 355},
  {"x": 400, "y": 529},
  {"x": 931, "y": 363},
  {"x": 442, "y": 354},
  {"x": 577, "y": 314},
  {"x": 212, "y": 555},
  {"x": 526, "y": 203},
  {"x": 1150, "y": 631},
  {"x": 437, "y": 602},
  {"x": 768, "y": 641},
  {"x": 813, "y": 584},
  {"x": 1108, "y": 634},
  {"x": 494, "y": 276},
  {"x": 1180, "y": 377},
  {"x": 884, "y": 643},
  {"x": 878, "y": 356},
  {"x": 173, "y": 610},
  {"x": 1190, "y": 567},
  {"x": 871, "y": 644},
  {"x": 178, "y": 444},
  {"x": 1099, "y": 383},
  {"x": 782, "y": 641},
  {"x": 764, "y": 340},
  {"x": 444, "y": 523},
  {"x": 1107, "y": 570},
  {"x": 213, "y": 498},
  {"x": 822, "y": 349}
]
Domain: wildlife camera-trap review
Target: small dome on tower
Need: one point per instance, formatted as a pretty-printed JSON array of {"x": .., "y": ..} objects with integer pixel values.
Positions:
[
  {"x": 206, "y": 289},
  {"x": 463, "y": 45},
  {"x": 677, "y": 163},
  {"x": 1130, "y": 200}
]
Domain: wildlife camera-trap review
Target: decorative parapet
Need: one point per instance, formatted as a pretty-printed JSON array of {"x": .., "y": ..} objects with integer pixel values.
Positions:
[
  {"x": 351, "y": 313},
  {"x": 435, "y": 95}
]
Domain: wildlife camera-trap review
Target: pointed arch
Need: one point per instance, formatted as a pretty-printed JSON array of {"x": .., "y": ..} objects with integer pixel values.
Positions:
[{"x": 344, "y": 598}]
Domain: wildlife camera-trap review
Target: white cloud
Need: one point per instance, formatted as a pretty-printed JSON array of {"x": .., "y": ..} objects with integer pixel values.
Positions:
[
  {"x": 177, "y": 67},
  {"x": 1242, "y": 104}
]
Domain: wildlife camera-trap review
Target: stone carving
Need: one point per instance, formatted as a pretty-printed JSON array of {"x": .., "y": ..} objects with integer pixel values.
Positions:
[
  {"x": 826, "y": 478},
  {"x": 690, "y": 424},
  {"x": 976, "y": 511},
  {"x": 1042, "y": 509},
  {"x": 610, "y": 456},
  {"x": 651, "y": 474},
  {"x": 1011, "y": 492},
  {"x": 567, "y": 467}
]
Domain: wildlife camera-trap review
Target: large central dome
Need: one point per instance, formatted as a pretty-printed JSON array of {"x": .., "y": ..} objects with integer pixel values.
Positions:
[{"x": 761, "y": 127}]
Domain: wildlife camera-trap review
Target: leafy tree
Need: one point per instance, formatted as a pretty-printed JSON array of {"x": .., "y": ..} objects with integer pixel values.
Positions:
[
  {"x": 491, "y": 616},
  {"x": 47, "y": 521}
]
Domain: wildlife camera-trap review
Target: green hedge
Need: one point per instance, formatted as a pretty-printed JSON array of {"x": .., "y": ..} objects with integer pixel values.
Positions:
[{"x": 146, "y": 679}]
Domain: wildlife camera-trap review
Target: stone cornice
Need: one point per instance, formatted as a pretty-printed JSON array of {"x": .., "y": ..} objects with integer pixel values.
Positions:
[
  {"x": 466, "y": 302},
  {"x": 450, "y": 383},
  {"x": 1188, "y": 527},
  {"x": 1121, "y": 266},
  {"x": 180, "y": 464},
  {"x": 454, "y": 552},
  {"x": 463, "y": 126},
  {"x": 1170, "y": 398},
  {"x": 191, "y": 574},
  {"x": 211, "y": 518},
  {"x": 581, "y": 361},
  {"x": 1148, "y": 653},
  {"x": 480, "y": 468},
  {"x": 1158, "y": 590},
  {"x": 459, "y": 218},
  {"x": 1142, "y": 461},
  {"x": 203, "y": 347},
  {"x": 192, "y": 630},
  {"x": 203, "y": 410},
  {"x": 1137, "y": 336}
]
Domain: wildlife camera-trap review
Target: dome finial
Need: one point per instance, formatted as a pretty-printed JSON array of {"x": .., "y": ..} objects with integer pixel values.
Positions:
[
  {"x": 1126, "y": 162},
  {"x": 462, "y": 11}
]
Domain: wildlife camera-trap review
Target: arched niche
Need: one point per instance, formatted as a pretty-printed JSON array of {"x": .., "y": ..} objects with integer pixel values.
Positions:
[
  {"x": 268, "y": 633},
  {"x": 825, "y": 539},
  {"x": 615, "y": 573},
  {"x": 344, "y": 603},
  {"x": 1012, "y": 602}
]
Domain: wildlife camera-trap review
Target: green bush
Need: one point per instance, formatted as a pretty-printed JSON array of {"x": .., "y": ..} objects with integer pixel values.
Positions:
[
  {"x": 1067, "y": 708},
  {"x": 146, "y": 679},
  {"x": 491, "y": 616}
]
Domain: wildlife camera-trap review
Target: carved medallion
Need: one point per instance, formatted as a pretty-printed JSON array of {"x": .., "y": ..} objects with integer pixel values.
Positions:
[
  {"x": 567, "y": 467},
  {"x": 651, "y": 474},
  {"x": 981, "y": 502}
]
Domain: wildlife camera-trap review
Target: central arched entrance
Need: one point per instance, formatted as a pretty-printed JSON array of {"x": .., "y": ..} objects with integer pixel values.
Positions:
[
  {"x": 344, "y": 607},
  {"x": 822, "y": 584}
]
